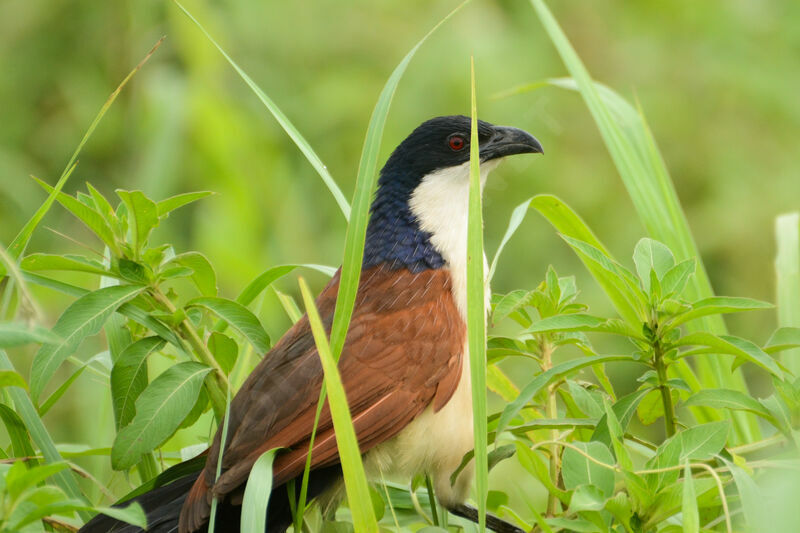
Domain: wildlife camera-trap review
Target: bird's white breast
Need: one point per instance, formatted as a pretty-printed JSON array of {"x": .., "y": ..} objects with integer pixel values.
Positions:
[{"x": 435, "y": 443}]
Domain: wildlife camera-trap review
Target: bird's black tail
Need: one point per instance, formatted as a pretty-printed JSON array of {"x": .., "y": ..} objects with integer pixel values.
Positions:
[{"x": 163, "y": 498}]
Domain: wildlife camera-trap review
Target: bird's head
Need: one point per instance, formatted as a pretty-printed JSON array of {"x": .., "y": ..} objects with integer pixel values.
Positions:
[
  {"x": 444, "y": 142},
  {"x": 419, "y": 212}
]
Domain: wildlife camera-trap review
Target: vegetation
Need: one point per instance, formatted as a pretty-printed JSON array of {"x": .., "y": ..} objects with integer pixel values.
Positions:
[{"x": 687, "y": 448}]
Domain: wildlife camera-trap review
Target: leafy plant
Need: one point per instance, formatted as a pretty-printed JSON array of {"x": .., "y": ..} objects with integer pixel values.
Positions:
[{"x": 177, "y": 349}]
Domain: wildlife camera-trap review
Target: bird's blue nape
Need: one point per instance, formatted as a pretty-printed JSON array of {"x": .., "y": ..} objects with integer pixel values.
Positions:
[{"x": 393, "y": 235}]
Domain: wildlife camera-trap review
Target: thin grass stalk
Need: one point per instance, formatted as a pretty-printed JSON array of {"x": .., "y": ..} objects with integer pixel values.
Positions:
[
  {"x": 283, "y": 120},
  {"x": 362, "y": 197},
  {"x": 212, "y": 518},
  {"x": 19, "y": 243},
  {"x": 476, "y": 313},
  {"x": 787, "y": 280},
  {"x": 27, "y": 412},
  {"x": 355, "y": 480}
]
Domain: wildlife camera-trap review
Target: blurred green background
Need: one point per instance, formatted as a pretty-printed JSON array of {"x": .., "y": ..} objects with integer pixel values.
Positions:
[{"x": 718, "y": 80}]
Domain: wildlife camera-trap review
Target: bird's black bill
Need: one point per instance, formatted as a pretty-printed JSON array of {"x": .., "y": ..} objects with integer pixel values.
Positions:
[{"x": 509, "y": 141}]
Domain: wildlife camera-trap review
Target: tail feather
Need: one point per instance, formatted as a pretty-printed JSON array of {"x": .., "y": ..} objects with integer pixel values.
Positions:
[{"x": 162, "y": 506}]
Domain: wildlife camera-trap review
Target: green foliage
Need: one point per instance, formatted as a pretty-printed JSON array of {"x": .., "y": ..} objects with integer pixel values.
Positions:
[{"x": 568, "y": 424}]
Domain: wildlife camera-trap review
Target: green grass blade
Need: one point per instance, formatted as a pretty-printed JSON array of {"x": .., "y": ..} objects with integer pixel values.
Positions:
[
  {"x": 365, "y": 184},
  {"x": 256, "y": 494},
  {"x": 787, "y": 280},
  {"x": 691, "y": 518},
  {"x": 476, "y": 313},
  {"x": 212, "y": 519},
  {"x": 285, "y": 123},
  {"x": 642, "y": 169},
  {"x": 355, "y": 480},
  {"x": 27, "y": 412},
  {"x": 17, "y": 247}
]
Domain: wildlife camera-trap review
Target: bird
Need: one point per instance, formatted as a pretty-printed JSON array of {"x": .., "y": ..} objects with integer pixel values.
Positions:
[{"x": 404, "y": 364}]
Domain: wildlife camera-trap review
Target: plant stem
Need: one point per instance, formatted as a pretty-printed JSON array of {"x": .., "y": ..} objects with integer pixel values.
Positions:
[
  {"x": 552, "y": 502},
  {"x": 666, "y": 397},
  {"x": 216, "y": 382},
  {"x": 147, "y": 467}
]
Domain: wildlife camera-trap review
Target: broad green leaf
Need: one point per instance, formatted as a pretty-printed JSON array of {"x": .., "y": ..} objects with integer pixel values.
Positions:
[
  {"x": 134, "y": 272},
  {"x": 84, "y": 317},
  {"x": 783, "y": 339},
  {"x": 20, "y": 478},
  {"x": 137, "y": 314},
  {"x": 225, "y": 350},
  {"x": 717, "y": 305},
  {"x": 533, "y": 463},
  {"x": 652, "y": 255},
  {"x": 545, "y": 378},
  {"x": 691, "y": 517},
  {"x": 143, "y": 217},
  {"x": 257, "y": 492},
  {"x": 34, "y": 262},
  {"x": 355, "y": 480},
  {"x": 203, "y": 275},
  {"x": 587, "y": 498},
  {"x": 577, "y": 470},
  {"x": 17, "y": 432},
  {"x": 624, "y": 408},
  {"x": 160, "y": 409},
  {"x": 728, "y": 399},
  {"x": 780, "y": 412},
  {"x": 617, "y": 435},
  {"x": 577, "y": 525},
  {"x": 676, "y": 278},
  {"x": 751, "y": 495},
  {"x": 509, "y": 303},
  {"x": 787, "y": 280},
  {"x": 590, "y": 403},
  {"x": 651, "y": 408},
  {"x": 103, "y": 207},
  {"x": 728, "y": 344},
  {"x": 582, "y": 322},
  {"x": 669, "y": 502},
  {"x": 129, "y": 378},
  {"x": 619, "y": 279},
  {"x": 131, "y": 514},
  {"x": 90, "y": 217},
  {"x": 239, "y": 317},
  {"x": 701, "y": 443},
  {"x": 620, "y": 506},
  {"x": 18, "y": 334},
  {"x": 574, "y": 322},
  {"x": 165, "y": 207},
  {"x": 287, "y": 126}
]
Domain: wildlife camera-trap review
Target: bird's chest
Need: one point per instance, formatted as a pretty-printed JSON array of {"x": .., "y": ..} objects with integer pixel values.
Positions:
[{"x": 435, "y": 442}]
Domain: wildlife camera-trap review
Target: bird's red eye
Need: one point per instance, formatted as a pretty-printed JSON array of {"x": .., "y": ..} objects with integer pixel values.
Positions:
[{"x": 456, "y": 142}]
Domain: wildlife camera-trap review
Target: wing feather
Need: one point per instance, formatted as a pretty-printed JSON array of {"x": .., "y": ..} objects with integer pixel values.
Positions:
[{"x": 403, "y": 351}]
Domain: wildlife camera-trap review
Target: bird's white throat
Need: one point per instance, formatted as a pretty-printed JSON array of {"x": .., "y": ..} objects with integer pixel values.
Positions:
[{"x": 441, "y": 204}]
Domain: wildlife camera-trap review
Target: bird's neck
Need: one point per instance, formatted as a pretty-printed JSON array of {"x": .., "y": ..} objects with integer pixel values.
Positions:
[
  {"x": 425, "y": 226},
  {"x": 394, "y": 237}
]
